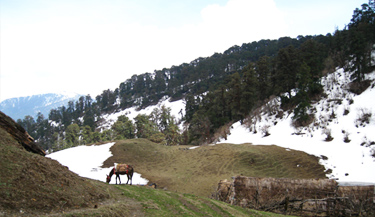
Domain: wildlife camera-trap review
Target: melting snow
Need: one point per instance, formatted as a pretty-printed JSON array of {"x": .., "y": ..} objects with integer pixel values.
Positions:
[
  {"x": 87, "y": 162},
  {"x": 177, "y": 110},
  {"x": 349, "y": 162}
]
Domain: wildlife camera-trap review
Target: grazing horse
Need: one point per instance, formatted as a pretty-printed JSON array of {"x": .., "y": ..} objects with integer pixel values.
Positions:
[{"x": 128, "y": 171}]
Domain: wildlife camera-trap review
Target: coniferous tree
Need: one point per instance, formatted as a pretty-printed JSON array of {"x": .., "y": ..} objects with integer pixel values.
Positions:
[
  {"x": 219, "y": 109},
  {"x": 28, "y": 123},
  {"x": 361, "y": 39},
  {"x": 41, "y": 130},
  {"x": 199, "y": 129},
  {"x": 304, "y": 81},
  {"x": 162, "y": 117},
  {"x": 286, "y": 68},
  {"x": 172, "y": 135},
  {"x": 191, "y": 106},
  {"x": 235, "y": 94},
  {"x": 248, "y": 92},
  {"x": 144, "y": 127},
  {"x": 86, "y": 134},
  {"x": 313, "y": 54},
  {"x": 72, "y": 135},
  {"x": 263, "y": 68},
  {"x": 96, "y": 137},
  {"x": 123, "y": 128}
]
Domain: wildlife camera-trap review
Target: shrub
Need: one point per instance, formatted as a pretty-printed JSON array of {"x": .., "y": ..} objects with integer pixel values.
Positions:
[
  {"x": 364, "y": 117},
  {"x": 265, "y": 129},
  {"x": 157, "y": 137},
  {"x": 346, "y": 137},
  {"x": 222, "y": 132},
  {"x": 346, "y": 111},
  {"x": 328, "y": 134},
  {"x": 332, "y": 115}
]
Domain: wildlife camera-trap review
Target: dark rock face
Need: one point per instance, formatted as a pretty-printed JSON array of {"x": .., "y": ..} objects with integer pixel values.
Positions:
[{"x": 20, "y": 134}]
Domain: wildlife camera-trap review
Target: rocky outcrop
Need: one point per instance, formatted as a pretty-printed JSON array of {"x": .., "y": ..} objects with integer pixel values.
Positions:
[
  {"x": 20, "y": 134},
  {"x": 303, "y": 197}
]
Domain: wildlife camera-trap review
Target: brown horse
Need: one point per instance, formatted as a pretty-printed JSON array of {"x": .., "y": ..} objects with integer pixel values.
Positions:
[{"x": 128, "y": 171}]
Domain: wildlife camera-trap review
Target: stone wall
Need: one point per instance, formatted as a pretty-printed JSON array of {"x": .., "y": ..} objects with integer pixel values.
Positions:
[{"x": 317, "y": 197}]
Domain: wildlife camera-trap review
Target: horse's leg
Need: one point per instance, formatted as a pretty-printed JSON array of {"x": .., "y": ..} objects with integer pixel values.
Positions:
[
  {"x": 127, "y": 175},
  {"x": 131, "y": 178},
  {"x": 119, "y": 178}
]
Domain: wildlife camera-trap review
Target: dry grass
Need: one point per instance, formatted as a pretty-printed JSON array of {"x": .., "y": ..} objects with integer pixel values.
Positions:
[
  {"x": 34, "y": 185},
  {"x": 198, "y": 171},
  {"x": 30, "y": 183}
]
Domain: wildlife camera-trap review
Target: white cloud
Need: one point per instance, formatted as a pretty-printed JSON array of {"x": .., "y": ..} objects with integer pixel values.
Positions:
[
  {"x": 86, "y": 53},
  {"x": 243, "y": 21},
  {"x": 87, "y": 48}
]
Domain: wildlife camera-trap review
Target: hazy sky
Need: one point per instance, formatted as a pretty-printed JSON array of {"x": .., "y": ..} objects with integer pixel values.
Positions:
[{"x": 87, "y": 46}]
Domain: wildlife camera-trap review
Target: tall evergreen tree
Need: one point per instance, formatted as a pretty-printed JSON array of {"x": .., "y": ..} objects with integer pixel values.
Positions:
[
  {"x": 304, "y": 81},
  {"x": 287, "y": 63},
  {"x": 144, "y": 127},
  {"x": 235, "y": 94},
  {"x": 123, "y": 128},
  {"x": 361, "y": 39},
  {"x": 86, "y": 135},
  {"x": 72, "y": 135},
  {"x": 263, "y": 69},
  {"x": 248, "y": 91}
]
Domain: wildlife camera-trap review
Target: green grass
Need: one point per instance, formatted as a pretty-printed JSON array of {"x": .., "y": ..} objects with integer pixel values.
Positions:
[
  {"x": 198, "y": 171},
  {"x": 145, "y": 201},
  {"x": 40, "y": 186}
]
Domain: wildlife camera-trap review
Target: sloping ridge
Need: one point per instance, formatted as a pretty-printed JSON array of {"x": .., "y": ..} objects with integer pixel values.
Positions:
[
  {"x": 20, "y": 134},
  {"x": 32, "y": 184}
]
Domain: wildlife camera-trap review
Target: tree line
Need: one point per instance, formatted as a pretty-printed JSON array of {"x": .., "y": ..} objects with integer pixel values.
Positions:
[{"x": 219, "y": 89}]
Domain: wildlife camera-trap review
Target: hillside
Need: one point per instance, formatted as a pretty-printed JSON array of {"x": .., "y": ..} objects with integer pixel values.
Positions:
[
  {"x": 348, "y": 117},
  {"x": 34, "y": 185},
  {"x": 172, "y": 167},
  {"x": 341, "y": 133},
  {"x": 31, "y": 183},
  {"x": 216, "y": 91}
]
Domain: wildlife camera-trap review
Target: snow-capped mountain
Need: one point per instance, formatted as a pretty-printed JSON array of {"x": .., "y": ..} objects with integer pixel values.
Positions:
[{"x": 18, "y": 108}]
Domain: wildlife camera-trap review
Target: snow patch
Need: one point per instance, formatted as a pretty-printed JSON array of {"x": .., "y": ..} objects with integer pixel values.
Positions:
[
  {"x": 350, "y": 162},
  {"x": 177, "y": 110},
  {"x": 87, "y": 161}
]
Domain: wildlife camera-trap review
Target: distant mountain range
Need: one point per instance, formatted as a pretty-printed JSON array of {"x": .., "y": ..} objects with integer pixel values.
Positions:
[{"x": 18, "y": 108}]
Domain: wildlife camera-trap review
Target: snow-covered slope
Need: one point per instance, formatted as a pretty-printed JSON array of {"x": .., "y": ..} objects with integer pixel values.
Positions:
[
  {"x": 177, "y": 110},
  {"x": 18, "y": 108},
  {"x": 87, "y": 162},
  {"x": 342, "y": 114}
]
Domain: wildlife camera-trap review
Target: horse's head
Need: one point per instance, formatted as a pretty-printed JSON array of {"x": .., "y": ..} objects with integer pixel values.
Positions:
[{"x": 108, "y": 178}]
